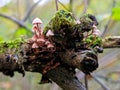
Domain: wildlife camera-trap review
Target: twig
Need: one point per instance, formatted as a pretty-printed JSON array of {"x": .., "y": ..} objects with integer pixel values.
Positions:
[
  {"x": 18, "y": 9},
  {"x": 70, "y": 5},
  {"x": 85, "y": 6},
  {"x": 111, "y": 42},
  {"x": 99, "y": 82},
  {"x": 20, "y": 23},
  {"x": 63, "y": 6},
  {"x": 56, "y": 3},
  {"x": 109, "y": 21},
  {"x": 30, "y": 10},
  {"x": 86, "y": 82}
]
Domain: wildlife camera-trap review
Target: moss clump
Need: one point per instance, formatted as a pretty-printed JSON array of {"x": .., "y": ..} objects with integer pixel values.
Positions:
[
  {"x": 86, "y": 23},
  {"x": 5, "y": 45},
  {"x": 93, "y": 41},
  {"x": 62, "y": 19},
  {"x": 70, "y": 34}
]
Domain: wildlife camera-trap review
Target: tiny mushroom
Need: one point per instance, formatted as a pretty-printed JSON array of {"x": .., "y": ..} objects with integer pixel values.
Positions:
[
  {"x": 50, "y": 45},
  {"x": 35, "y": 45},
  {"x": 34, "y": 28},
  {"x": 47, "y": 42},
  {"x": 36, "y": 25},
  {"x": 77, "y": 22},
  {"x": 37, "y": 21},
  {"x": 94, "y": 26},
  {"x": 96, "y": 32},
  {"x": 49, "y": 33},
  {"x": 34, "y": 38},
  {"x": 41, "y": 40}
]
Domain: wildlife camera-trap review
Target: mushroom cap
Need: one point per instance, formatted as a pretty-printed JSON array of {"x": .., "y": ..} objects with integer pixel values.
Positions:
[
  {"x": 35, "y": 45},
  {"x": 77, "y": 22},
  {"x": 96, "y": 32},
  {"x": 94, "y": 26},
  {"x": 50, "y": 46},
  {"x": 37, "y": 21},
  {"x": 49, "y": 33}
]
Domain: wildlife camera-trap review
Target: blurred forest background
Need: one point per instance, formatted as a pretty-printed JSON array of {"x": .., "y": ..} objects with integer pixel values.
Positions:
[{"x": 16, "y": 21}]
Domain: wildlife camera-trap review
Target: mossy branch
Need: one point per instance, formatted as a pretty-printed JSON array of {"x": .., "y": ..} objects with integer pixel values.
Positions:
[{"x": 57, "y": 51}]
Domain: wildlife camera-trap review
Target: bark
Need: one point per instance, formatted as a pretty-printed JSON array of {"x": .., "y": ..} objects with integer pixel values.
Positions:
[
  {"x": 65, "y": 79},
  {"x": 111, "y": 42},
  {"x": 27, "y": 60}
]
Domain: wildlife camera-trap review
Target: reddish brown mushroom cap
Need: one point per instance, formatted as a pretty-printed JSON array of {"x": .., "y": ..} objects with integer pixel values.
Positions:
[{"x": 37, "y": 21}]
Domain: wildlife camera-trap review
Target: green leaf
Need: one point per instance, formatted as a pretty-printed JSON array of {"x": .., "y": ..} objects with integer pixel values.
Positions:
[
  {"x": 116, "y": 13},
  {"x": 21, "y": 32}
]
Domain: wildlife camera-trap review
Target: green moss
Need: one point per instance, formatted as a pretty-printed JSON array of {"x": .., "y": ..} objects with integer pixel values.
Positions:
[
  {"x": 5, "y": 45},
  {"x": 68, "y": 33},
  {"x": 86, "y": 23},
  {"x": 62, "y": 19},
  {"x": 95, "y": 41}
]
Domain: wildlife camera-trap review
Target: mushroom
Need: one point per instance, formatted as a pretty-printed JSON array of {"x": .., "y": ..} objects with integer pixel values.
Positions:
[
  {"x": 35, "y": 45},
  {"x": 41, "y": 40},
  {"x": 34, "y": 38},
  {"x": 50, "y": 45},
  {"x": 96, "y": 32},
  {"x": 36, "y": 26},
  {"x": 49, "y": 33},
  {"x": 77, "y": 22},
  {"x": 94, "y": 26},
  {"x": 37, "y": 21}
]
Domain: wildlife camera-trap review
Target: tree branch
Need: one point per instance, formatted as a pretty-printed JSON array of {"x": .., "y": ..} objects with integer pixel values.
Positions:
[
  {"x": 20, "y": 23},
  {"x": 111, "y": 42},
  {"x": 65, "y": 79},
  {"x": 24, "y": 59},
  {"x": 63, "y": 5},
  {"x": 99, "y": 82},
  {"x": 55, "y": 53},
  {"x": 86, "y": 2},
  {"x": 30, "y": 10},
  {"x": 110, "y": 20}
]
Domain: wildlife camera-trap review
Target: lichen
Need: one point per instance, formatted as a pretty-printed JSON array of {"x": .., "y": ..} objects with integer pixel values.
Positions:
[{"x": 12, "y": 44}]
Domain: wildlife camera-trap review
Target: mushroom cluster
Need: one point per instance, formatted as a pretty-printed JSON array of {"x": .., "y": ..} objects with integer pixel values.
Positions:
[{"x": 38, "y": 38}]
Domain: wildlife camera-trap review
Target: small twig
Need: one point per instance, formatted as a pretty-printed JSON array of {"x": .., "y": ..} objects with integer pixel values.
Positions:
[
  {"x": 70, "y": 5},
  {"x": 18, "y": 9},
  {"x": 99, "y": 82},
  {"x": 109, "y": 21},
  {"x": 30, "y": 10},
  {"x": 20, "y": 23},
  {"x": 56, "y": 3},
  {"x": 86, "y": 82},
  {"x": 85, "y": 6},
  {"x": 63, "y": 6}
]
